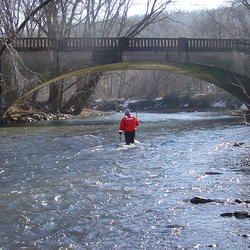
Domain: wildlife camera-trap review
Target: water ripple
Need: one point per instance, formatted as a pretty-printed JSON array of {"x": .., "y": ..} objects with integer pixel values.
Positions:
[{"x": 75, "y": 186}]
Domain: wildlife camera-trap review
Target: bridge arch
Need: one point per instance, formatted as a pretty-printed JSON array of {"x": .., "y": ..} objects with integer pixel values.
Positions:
[{"x": 232, "y": 82}]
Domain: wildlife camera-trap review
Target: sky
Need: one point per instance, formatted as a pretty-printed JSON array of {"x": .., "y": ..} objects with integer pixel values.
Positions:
[
  {"x": 186, "y": 5},
  {"x": 198, "y": 4}
]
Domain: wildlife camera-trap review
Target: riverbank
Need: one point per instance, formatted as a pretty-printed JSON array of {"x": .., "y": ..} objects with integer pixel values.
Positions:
[
  {"x": 26, "y": 114},
  {"x": 172, "y": 103}
]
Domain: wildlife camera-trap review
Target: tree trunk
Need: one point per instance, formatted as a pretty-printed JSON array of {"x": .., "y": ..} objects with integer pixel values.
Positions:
[
  {"x": 55, "y": 90},
  {"x": 0, "y": 85},
  {"x": 34, "y": 96},
  {"x": 85, "y": 90},
  {"x": 55, "y": 97}
]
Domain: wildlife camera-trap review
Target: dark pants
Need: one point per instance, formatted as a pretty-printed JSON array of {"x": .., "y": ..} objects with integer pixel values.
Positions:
[{"x": 129, "y": 137}]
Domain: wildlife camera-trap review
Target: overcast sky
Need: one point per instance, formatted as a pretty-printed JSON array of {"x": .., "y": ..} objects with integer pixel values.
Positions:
[
  {"x": 198, "y": 4},
  {"x": 182, "y": 4}
]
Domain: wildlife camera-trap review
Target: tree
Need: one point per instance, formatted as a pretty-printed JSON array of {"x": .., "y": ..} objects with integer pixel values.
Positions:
[
  {"x": 12, "y": 24},
  {"x": 110, "y": 17}
]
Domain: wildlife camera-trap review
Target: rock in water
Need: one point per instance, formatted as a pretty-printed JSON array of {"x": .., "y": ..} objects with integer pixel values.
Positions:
[
  {"x": 237, "y": 214},
  {"x": 212, "y": 173},
  {"x": 200, "y": 200},
  {"x": 241, "y": 214},
  {"x": 238, "y": 144},
  {"x": 227, "y": 214},
  {"x": 240, "y": 201}
]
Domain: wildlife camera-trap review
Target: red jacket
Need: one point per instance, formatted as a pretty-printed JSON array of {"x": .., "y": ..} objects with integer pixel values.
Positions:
[{"x": 128, "y": 123}]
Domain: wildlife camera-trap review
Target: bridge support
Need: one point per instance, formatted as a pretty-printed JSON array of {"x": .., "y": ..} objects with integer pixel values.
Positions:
[
  {"x": 183, "y": 47},
  {"x": 55, "y": 90}
]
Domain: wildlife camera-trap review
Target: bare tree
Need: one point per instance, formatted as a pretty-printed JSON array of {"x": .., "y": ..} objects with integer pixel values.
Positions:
[
  {"x": 93, "y": 18},
  {"x": 155, "y": 12},
  {"x": 110, "y": 17},
  {"x": 57, "y": 21},
  {"x": 240, "y": 12},
  {"x": 11, "y": 16},
  {"x": 13, "y": 21}
]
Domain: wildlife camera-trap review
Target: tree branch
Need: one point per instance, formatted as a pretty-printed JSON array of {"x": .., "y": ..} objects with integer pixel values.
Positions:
[{"x": 22, "y": 25}]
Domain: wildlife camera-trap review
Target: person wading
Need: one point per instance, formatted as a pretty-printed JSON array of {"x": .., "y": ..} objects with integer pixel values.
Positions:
[{"x": 128, "y": 125}]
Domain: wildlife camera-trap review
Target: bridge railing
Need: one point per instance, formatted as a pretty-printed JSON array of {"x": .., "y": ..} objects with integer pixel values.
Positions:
[
  {"x": 33, "y": 43},
  {"x": 153, "y": 43},
  {"x": 215, "y": 44},
  {"x": 90, "y": 43},
  {"x": 185, "y": 44}
]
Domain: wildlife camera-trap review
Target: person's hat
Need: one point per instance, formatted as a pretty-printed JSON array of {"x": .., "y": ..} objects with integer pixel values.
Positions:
[{"x": 127, "y": 111}]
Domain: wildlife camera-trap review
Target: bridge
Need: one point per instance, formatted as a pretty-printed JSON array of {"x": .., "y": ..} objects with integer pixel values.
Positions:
[
  {"x": 124, "y": 43},
  {"x": 224, "y": 62}
]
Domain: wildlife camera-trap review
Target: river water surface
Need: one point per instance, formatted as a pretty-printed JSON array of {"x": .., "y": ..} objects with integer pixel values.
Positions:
[{"x": 72, "y": 184}]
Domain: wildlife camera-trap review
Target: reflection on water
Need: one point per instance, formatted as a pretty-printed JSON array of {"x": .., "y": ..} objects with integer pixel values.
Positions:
[{"x": 72, "y": 185}]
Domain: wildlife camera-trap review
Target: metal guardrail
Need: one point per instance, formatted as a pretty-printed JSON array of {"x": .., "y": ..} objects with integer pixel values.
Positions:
[{"x": 124, "y": 43}]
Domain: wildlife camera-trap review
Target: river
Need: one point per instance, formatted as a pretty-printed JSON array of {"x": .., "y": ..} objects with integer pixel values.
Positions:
[{"x": 72, "y": 185}]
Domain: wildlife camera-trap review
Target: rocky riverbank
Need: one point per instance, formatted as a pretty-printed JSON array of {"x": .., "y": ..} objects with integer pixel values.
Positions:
[
  {"x": 20, "y": 114},
  {"x": 175, "y": 103},
  {"x": 171, "y": 103}
]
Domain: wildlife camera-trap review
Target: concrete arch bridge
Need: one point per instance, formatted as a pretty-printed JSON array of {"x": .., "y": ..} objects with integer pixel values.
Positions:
[{"x": 223, "y": 62}]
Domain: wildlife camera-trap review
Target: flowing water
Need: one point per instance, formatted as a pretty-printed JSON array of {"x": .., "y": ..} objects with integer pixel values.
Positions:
[{"x": 73, "y": 185}]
